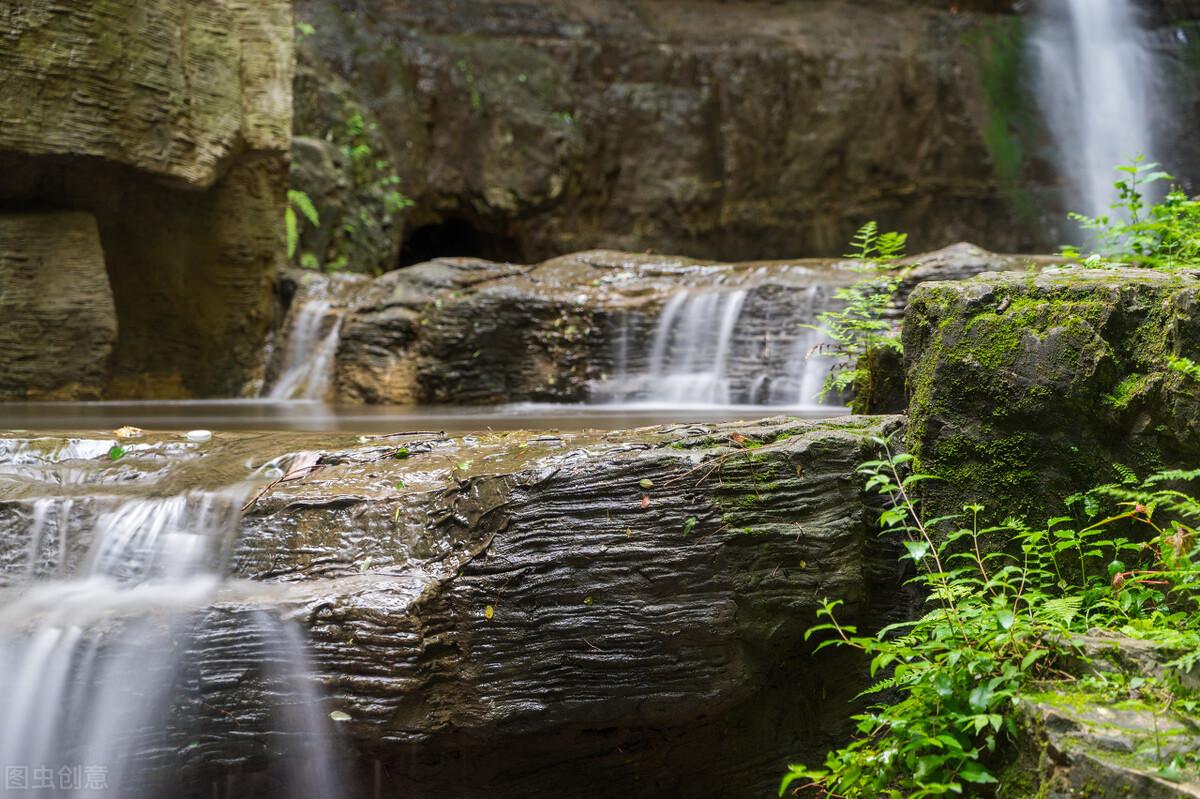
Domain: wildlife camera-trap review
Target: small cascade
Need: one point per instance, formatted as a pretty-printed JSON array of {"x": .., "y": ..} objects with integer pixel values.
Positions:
[
  {"x": 731, "y": 347},
  {"x": 101, "y": 673},
  {"x": 1096, "y": 86},
  {"x": 314, "y": 329}
]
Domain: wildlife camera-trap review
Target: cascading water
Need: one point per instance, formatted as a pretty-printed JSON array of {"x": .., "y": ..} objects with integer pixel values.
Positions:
[
  {"x": 1096, "y": 80},
  {"x": 732, "y": 347},
  {"x": 313, "y": 331},
  {"x": 311, "y": 346},
  {"x": 103, "y": 673}
]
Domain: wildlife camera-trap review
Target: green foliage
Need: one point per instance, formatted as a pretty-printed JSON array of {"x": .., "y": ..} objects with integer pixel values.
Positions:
[
  {"x": 996, "y": 622},
  {"x": 1163, "y": 235},
  {"x": 298, "y": 201},
  {"x": 858, "y": 326}
]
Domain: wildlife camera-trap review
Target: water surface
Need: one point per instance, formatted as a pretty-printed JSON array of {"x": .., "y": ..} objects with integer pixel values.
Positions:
[{"x": 265, "y": 414}]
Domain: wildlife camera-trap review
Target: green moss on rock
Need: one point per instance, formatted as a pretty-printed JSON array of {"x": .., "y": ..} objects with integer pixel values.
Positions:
[{"x": 1024, "y": 389}]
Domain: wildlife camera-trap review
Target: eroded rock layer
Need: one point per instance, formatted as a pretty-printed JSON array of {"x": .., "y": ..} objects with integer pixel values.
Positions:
[
  {"x": 57, "y": 319},
  {"x": 510, "y": 615}
]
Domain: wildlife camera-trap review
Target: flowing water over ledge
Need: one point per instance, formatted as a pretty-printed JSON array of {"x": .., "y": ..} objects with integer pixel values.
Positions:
[{"x": 318, "y": 417}]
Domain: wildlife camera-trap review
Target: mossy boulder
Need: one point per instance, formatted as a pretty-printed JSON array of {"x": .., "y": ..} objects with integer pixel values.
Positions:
[
  {"x": 1026, "y": 388},
  {"x": 1127, "y": 736}
]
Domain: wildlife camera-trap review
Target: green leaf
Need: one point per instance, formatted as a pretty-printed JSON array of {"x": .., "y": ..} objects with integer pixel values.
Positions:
[
  {"x": 917, "y": 550},
  {"x": 116, "y": 452},
  {"x": 975, "y": 773},
  {"x": 689, "y": 525},
  {"x": 304, "y": 204},
  {"x": 292, "y": 231}
]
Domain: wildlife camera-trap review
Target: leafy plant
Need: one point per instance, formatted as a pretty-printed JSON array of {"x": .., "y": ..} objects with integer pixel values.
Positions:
[
  {"x": 996, "y": 622},
  {"x": 1163, "y": 235},
  {"x": 858, "y": 326},
  {"x": 298, "y": 201}
]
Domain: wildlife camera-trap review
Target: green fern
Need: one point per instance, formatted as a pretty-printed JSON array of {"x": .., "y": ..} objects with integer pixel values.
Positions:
[{"x": 298, "y": 200}]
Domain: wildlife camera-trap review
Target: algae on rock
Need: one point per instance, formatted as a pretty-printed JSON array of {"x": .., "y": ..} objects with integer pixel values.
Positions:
[{"x": 1024, "y": 389}]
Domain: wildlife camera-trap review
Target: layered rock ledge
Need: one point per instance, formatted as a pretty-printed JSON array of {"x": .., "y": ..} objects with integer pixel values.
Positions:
[
  {"x": 509, "y": 615},
  {"x": 572, "y": 328}
]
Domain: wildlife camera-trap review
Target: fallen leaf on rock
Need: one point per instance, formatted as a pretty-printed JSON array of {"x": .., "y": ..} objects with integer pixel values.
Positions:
[{"x": 645, "y": 501}]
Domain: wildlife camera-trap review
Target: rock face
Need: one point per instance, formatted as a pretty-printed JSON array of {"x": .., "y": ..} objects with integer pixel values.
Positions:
[
  {"x": 1024, "y": 389},
  {"x": 471, "y": 331},
  {"x": 514, "y": 615},
  {"x": 1075, "y": 743},
  {"x": 57, "y": 319},
  {"x": 723, "y": 130},
  {"x": 169, "y": 122}
]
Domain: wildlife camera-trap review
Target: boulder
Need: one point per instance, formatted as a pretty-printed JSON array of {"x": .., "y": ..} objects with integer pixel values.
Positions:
[
  {"x": 169, "y": 122},
  {"x": 570, "y": 329},
  {"x": 512, "y": 614},
  {"x": 58, "y": 323},
  {"x": 1026, "y": 388},
  {"x": 1108, "y": 744}
]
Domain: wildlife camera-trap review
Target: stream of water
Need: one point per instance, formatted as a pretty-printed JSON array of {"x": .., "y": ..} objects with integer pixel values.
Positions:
[
  {"x": 95, "y": 661},
  {"x": 1096, "y": 86}
]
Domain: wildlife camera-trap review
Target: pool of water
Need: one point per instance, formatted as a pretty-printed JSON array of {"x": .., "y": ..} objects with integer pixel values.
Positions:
[{"x": 315, "y": 416}]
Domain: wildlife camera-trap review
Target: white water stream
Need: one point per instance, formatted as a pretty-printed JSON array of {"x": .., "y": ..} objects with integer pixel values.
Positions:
[
  {"x": 94, "y": 667},
  {"x": 731, "y": 347},
  {"x": 1096, "y": 86}
]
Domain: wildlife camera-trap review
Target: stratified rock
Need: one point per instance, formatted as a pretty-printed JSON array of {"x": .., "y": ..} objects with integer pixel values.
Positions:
[
  {"x": 1024, "y": 389},
  {"x": 471, "y": 331},
  {"x": 515, "y": 615},
  {"x": 168, "y": 121},
  {"x": 57, "y": 320}
]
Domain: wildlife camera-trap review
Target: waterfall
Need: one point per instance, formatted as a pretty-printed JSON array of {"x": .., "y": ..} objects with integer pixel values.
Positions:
[
  {"x": 721, "y": 347},
  {"x": 311, "y": 347},
  {"x": 1096, "y": 83},
  {"x": 102, "y": 672},
  {"x": 312, "y": 334}
]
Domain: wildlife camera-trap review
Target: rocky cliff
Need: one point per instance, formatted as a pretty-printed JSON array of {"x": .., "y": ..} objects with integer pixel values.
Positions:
[
  {"x": 745, "y": 130},
  {"x": 514, "y": 615},
  {"x": 168, "y": 122}
]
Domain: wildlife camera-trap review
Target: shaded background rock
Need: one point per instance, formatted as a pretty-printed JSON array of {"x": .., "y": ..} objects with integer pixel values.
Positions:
[
  {"x": 170, "y": 124},
  {"x": 724, "y": 130},
  {"x": 57, "y": 319}
]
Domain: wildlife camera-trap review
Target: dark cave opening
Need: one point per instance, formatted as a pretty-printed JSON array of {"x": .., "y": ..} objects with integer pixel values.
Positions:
[{"x": 457, "y": 238}]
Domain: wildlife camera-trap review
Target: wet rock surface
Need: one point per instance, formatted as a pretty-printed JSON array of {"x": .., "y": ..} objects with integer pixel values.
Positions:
[
  {"x": 516, "y": 614},
  {"x": 1024, "y": 389},
  {"x": 471, "y": 331}
]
